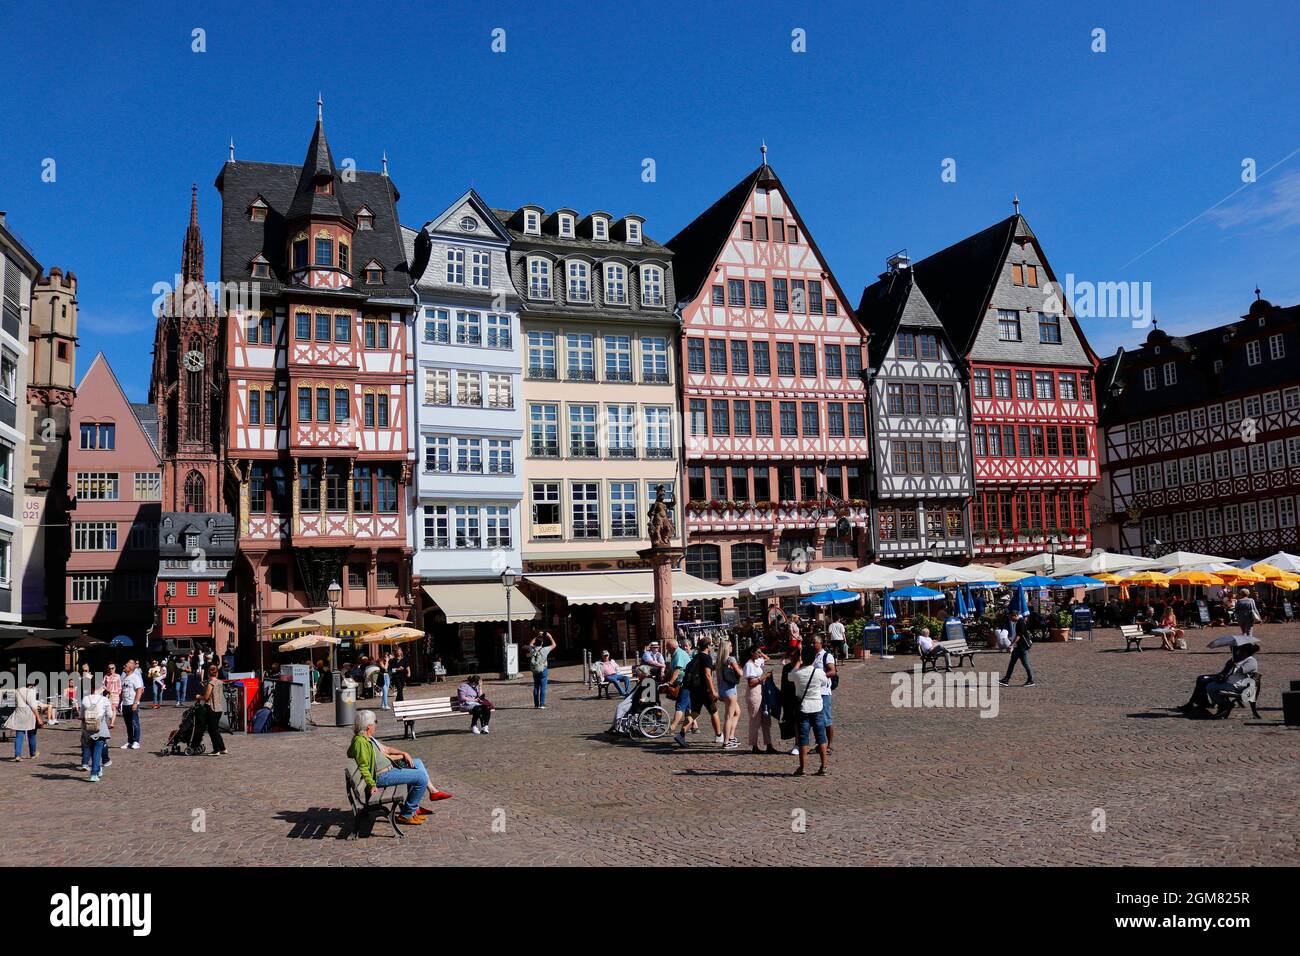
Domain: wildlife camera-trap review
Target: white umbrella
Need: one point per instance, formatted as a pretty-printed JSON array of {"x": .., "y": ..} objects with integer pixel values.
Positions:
[
  {"x": 1041, "y": 563},
  {"x": 771, "y": 584},
  {"x": 1179, "y": 559},
  {"x": 1287, "y": 562},
  {"x": 1102, "y": 562},
  {"x": 872, "y": 577},
  {"x": 825, "y": 579},
  {"x": 1233, "y": 640},
  {"x": 309, "y": 640},
  {"x": 924, "y": 571}
]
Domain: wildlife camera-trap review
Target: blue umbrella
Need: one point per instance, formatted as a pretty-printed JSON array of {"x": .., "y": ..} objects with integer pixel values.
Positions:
[
  {"x": 1079, "y": 581},
  {"x": 887, "y": 607},
  {"x": 831, "y": 597},
  {"x": 121, "y": 641},
  {"x": 962, "y": 609},
  {"x": 1019, "y": 602},
  {"x": 1036, "y": 581},
  {"x": 917, "y": 593}
]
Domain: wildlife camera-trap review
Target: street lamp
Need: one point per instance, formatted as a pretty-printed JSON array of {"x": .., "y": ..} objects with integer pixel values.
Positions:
[
  {"x": 1051, "y": 547},
  {"x": 334, "y": 594},
  {"x": 508, "y": 582}
]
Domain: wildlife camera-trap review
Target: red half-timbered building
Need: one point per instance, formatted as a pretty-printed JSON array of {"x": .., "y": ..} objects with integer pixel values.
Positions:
[
  {"x": 319, "y": 365},
  {"x": 777, "y": 449},
  {"x": 1032, "y": 391},
  {"x": 1202, "y": 439}
]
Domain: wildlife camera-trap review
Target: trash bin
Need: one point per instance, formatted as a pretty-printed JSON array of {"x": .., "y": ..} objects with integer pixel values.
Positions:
[{"x": 345, "y": 706}]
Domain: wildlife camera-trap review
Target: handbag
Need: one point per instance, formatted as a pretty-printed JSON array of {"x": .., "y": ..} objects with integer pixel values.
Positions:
[
  {"x": 790, "y": 723},
  {"x": 673, "y": 691}
]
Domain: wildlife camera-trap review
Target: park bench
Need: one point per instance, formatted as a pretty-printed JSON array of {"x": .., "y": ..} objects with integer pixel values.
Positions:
[
  {"x": 948, "y": 650},
  {"x": 1133, "y": 635},
  {"x": 1247, "y": 695},
  {"x": 365, "y": 799},
  {"x": 602, "y": 685},
  {"x": 430, "y": 708}
]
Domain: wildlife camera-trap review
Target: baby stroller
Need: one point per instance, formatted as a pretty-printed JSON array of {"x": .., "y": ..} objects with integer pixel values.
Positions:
[
  {"x": 184, "y": 739},
  {"x": 639, "y": 712}
]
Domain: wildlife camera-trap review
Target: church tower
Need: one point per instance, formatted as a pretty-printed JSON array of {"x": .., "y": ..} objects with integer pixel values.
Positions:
[{"x": 196, "y": 540}]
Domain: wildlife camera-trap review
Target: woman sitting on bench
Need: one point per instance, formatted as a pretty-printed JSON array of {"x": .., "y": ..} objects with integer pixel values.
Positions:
[{"x": 1171, "y": 633}]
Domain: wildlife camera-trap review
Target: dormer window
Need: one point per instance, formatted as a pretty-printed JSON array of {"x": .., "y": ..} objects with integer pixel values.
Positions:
[
  {"x": 566, "y": 226},
  {"x": 374, "y": 273},
  {"x": 539, "y": 278},
  {"x": 325, "y": 187},
  {"x": 579, "y": 282},
  {"x": 652, "y": 285},
  {"x": 532, "y": 222},
  {"x": 260, "y": 268},
  {"x": 633, "y": 231},
  {"x": 365, "y": 220},
  {"x": 615, "y": 284},
  {"x": 468, "y": 224},
  {"x": 600, "y": 228},
  {"x": 257, "y": 211}
]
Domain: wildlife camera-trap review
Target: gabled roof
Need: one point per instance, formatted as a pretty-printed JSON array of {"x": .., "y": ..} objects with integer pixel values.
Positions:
[
  {"x": 317, "y": 168},
  {"x": 959, "y": 280},
  {"x": 890, "y": 303},
  {"x": 697, "y": 247},
  {"x": 144, "y": 414}
]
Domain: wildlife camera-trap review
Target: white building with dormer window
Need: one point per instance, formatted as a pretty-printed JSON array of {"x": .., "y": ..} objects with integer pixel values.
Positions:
[{"x": 469, "y": 425}]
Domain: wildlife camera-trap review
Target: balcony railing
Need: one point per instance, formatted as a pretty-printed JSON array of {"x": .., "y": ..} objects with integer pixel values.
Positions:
[
  {"x": 437, "y": 467},
  {"x": 502, "y": 468},
  {"x": 581, "y": 375},
  {"x": 652, "y": 377},
  {"x": 586, "y": 529},
  {"x": 435, "y": 542},
  {"x": 622, "y": 451},
  {"x": 544, "y": 449},
  {"x": 624, "y": 528},
  {"x": 658, "y": 451},
  {"x": 583, "y": 449},
  {"x": 542, "y": 372},
  {"x": 468, "y": 338}
]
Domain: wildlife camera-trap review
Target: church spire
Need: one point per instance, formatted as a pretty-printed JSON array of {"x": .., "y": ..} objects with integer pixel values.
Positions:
[{"x": 192, "y": 251}]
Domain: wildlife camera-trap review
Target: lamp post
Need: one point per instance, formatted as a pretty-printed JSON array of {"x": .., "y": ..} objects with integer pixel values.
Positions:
[
  {"x": 1051, "y": 548},
  {"x": 508, "y": 582},
  {"x": 334, "y": 593}
]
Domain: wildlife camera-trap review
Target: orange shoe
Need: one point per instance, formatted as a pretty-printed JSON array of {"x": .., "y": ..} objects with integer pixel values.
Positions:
[{"x": 414, "y": 821}]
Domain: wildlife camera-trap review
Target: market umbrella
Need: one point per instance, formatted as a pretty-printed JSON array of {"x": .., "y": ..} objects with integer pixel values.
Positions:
[
  {"x": 1100, "y": 562},
  {"x": 825, "y": 579},
  {"x": 1284, "y": 584},
  {"x": 1036, "y": 581},
  {"x": 771, "y": 584},
  {"x": 1148, "y": 578},
  {"x": 1196, "y": 578},
  {"x": 32, "y": 644},
  {"x": 1077, "y": 581},
  {"x": 987, "y": 573},
  {"x": 85, "y": 641},
  {"x": 962, "y": 609},
  {"x": 1177, "y": 559},
  {"x": 1287, "y": 562},
  {"x": 1106, "y": 577},
  {"x": 121, "y": 641},
  {"x": 887, "y": 611},
  {"x": 831, "y": 597},
  {"x": 1019, "y": 601},
  {"x": 398, "y": 635},
  {"x": 1233, "y": 640},
  {"x": 917, "y": 592},
  {"x": 872, "y": 577},
  {"x": 308, "y": 641},
  {"x": 347, "y": 622}
]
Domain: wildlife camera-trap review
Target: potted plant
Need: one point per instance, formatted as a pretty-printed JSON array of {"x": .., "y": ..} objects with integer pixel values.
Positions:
[{"x": 1060, "y": 625}]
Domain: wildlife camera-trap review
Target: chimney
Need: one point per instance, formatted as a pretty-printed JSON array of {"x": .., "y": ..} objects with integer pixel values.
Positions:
[{"x": 898, "y": 262}]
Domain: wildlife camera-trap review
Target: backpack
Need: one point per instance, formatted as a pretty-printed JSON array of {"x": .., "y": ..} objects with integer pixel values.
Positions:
[
  {"x": 693, "y": 678},
  {"x": 90, "y": 724}
]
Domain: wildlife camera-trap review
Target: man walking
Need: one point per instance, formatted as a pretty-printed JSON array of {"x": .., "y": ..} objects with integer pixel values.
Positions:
[
  {"x": 678, "y": 661},
  {"x": 1247, "y": 613},
  {"x": 132, "y": 692},
  {"x": 825, "y": 662},
  {"x": 1020, "y": 644},
  {"x": 182, "y": 679}
]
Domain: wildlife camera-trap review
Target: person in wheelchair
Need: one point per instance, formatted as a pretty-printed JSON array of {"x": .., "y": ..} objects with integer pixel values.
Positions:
[{"x": 1241, "y": 668}]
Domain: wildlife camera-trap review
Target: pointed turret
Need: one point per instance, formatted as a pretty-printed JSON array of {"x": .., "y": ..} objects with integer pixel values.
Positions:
[
  {"x": 317, "y": 194},
  {"x": 192, "y": 249}
]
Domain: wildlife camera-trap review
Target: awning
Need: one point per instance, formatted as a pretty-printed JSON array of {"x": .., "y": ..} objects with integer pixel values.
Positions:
[
  {"x": 484, "y": 601},
  {"x": 626, "y": 587},
  {"x": 344, "y": 623}
]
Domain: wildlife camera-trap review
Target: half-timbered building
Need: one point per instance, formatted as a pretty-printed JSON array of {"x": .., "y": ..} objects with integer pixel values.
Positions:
[
  {"x": 922, "y": 478},
  {"x": 1033, "y": 410},
  {"x": 1202, "y": 438},
  {"x": 777, "y": 449},
  {"x": 319, "y": 367}
]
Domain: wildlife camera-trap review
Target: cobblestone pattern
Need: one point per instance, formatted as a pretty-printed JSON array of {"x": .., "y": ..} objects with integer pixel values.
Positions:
[{"x": 908, "y": 786}]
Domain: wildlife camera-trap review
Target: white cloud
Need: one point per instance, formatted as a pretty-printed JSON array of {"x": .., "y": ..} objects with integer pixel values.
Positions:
[{"x": 1271, "y": 206}]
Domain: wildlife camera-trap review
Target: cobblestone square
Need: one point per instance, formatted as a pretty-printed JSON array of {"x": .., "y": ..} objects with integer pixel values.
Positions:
[{"x": 908, "y": 786}]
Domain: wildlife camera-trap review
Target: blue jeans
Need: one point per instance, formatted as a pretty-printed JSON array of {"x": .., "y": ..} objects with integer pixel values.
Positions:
[
  {"x": 383, "y": 697},
  {"x": 18, "y": 742},
  {"x": 622, "y": 683},
  {"x": 814, "y": 723},
  {"x": 683, "y": 701},
  {"x": 158, "y": 687},
  {"x": 539, "y": 687},
  {"x": 182, "y": 685},
  {"x": 416, "y": 779},
  {"x": 826, "y": 710},
  {"x": 92, "y": 753},
  {"x": 132, "y": 717}
]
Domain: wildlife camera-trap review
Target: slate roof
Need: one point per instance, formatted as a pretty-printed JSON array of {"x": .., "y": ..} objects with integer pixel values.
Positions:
[
  {"x": 512, "y": 220},
  {"x": 958, "y": 280},
  {"x": 215, "y": 530},
  {"x": 288, "y": 190},
  {"x": 146, "y": 414},
  {"x": 697, "y": 246},
  {"x": 892, "y": 301}
]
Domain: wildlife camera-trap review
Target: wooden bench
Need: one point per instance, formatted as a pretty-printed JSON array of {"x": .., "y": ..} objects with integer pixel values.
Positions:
[
  {"x": 366, "y": 799},
  {"x": 602, "y": 685},
  {"x": 947, "y": 650},
  {"x": 430, "y": 708},
  {"x": 1247, "y": 695},
  {"x": 1133, "y": 635}
]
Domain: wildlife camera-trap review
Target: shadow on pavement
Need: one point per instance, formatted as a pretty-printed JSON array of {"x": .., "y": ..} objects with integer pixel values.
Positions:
[{"x": 315, "y": 823}]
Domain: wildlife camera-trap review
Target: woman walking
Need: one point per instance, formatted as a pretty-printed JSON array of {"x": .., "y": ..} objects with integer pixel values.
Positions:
[
  {"x": 809, "y": 683},
  {"x": 729, "y": 678},
  {"x": 25, "y": 720},
  {"x": 755, "y": 674},
  {"x": 384, "y": 679},
  {"x": 212, "y": 705},
  {"x": 157, "y": 683},
  {"x": 475, "y": 704},
  {"x": 113, "y": 688},
  {"x": 96, "y": 711}
]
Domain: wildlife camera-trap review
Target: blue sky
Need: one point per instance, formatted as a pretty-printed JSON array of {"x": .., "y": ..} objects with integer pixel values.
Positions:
[{"x": 1109, "y": 152}]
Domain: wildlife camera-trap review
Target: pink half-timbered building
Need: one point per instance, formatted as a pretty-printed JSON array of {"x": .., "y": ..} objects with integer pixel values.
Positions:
[
  {"x": 777, "y": 444},
  {"x": 319, "y": 366}
]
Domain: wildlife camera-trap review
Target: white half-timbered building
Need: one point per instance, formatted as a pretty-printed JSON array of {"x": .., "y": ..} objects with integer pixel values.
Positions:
[{"x": 922, "y": 477}]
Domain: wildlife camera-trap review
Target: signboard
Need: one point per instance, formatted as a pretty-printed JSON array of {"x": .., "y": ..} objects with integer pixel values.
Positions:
[
  {"x": 953, "y": 630},
  {"x": 548, "y": 531},
  {"x": 1203, "y": 613}
]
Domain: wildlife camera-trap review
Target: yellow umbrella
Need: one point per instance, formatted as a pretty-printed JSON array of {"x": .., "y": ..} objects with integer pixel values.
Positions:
[
  {"x": 1268, "y": 570},
  {"x": 1000, "y": 575},
  {"x": 346, "y": 623},
  {"x": 1285, "y": 585},
  {"x": 1107, "y": 577},
  {"x": 394, "y": 635},
  {"x": 1195, "y": 577},
  {"x": 1149, "y": 578},
  {"x": 1240, "y": 576},
  {"x": 308, "y": 640}
]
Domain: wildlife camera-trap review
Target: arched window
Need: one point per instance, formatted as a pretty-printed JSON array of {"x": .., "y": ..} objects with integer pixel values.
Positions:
[
  {"x": 704, "y": 561},
  {"x": 195, "y": 499}
]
